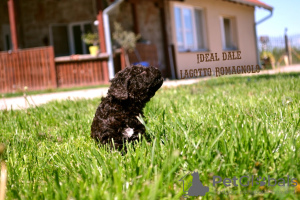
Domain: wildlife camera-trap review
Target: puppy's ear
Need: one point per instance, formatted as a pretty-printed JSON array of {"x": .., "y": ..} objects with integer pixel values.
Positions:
[{"x": 119, "y": 89}]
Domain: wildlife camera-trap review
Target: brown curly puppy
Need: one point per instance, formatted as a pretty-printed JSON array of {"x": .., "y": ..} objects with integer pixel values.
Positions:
[{"x": 116, "y": 116}]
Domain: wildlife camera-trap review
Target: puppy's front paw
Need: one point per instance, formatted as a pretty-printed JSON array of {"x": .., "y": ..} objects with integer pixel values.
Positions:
[{"x": 127, "y": 133}]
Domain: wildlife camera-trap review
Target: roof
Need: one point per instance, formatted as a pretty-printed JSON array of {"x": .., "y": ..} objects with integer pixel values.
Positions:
[{"x": 253, "y": 3}]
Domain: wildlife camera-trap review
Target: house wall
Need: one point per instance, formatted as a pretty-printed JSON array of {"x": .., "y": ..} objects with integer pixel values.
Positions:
[
  {"x": 4, "y": 20},
  {"x": 150, "y": 27},
  {"x": 34, "y": 18},
  {"x": 169, "y": 25},
  {"x": 213, "y": 10},
  {"x": 122, "y": 15},
  {"x": 149, "y": 24}
]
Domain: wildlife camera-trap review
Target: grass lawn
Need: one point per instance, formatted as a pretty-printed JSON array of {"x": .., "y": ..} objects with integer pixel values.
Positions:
[
  {"x": 228, "y": 127},
  {"x": 21, "y": 93}
]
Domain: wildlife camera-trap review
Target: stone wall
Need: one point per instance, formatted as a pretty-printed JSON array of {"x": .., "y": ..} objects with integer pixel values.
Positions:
[
  {"x": 36, "y": 16},
  {"x": 169, "y": 24},
  {"x": 122, "y": 15},
  {"x": 150, "y": 27},
  {"x": 149, "y": 24},
  {"x": 4, "y": 20}
]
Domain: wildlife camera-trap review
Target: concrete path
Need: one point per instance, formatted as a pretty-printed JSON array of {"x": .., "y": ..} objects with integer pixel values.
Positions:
[{"x": 22, "y": 103}]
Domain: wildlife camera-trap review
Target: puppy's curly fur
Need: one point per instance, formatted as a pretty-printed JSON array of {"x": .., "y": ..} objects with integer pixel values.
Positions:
[{"x": 116, "y": 116}]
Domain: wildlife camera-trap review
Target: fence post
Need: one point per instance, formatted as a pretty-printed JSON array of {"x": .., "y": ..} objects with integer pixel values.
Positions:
[
  {"x": 52, "y": 67},
  {"x": 12, "y": 23},
  {"x": 122, "y": 58},
  {"x": 287, "y": 48},
  {"x": 290, "y": 54}
]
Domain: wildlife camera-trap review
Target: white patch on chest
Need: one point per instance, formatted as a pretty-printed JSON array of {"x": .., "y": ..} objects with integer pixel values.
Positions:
[{"x": 127, "y": 133}]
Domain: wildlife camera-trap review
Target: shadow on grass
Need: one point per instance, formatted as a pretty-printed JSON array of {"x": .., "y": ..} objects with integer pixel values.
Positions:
[{"x": 247, "y": 79}]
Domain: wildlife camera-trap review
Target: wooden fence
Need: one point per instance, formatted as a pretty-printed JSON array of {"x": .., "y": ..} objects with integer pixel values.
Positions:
[
  {"x": 37, "y": 69},
  {"x": 82, "y": 72},
  {"x": 144, "y": 52},
  {"x": 32, "y": 68}
]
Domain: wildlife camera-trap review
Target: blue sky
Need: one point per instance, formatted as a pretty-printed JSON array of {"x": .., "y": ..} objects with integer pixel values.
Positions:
[{"x": 286, "y": 13}]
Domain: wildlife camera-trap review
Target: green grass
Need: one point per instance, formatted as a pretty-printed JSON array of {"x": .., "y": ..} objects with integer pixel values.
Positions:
[
  {"x": 227, "y": 126},
  {"x": 21, "y": 93}
]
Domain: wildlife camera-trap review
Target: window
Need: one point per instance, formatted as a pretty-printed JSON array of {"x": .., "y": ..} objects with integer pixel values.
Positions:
[
  {"x": 67, "y": 38},
  {"x": 59, "y": 38},
  {"x": 76, "y": 32},
  {"x": 189, "y": 28},
  {"x": 6, "y": 37},
  {"x": 229, "y": 36}
]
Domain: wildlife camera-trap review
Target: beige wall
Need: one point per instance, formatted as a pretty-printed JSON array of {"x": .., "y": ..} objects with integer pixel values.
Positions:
[{"x": 213, "y": 10}]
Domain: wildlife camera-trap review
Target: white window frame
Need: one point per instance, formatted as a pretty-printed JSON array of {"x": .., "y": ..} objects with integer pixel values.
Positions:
[
  {"x": 195, "y": 39},
  {"x": 6, "y": 32},
  {"x": 51, "y": 34},
  {"x": 71, "y": 38},
  {"x": 233, "y": 33},
  {"x": 70, "y": 35}
]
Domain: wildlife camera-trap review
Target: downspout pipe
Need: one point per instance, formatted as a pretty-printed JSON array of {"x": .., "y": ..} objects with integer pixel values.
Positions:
[
  {"x": 106, "y": 11},
  {"x": 255, "y": 24}
]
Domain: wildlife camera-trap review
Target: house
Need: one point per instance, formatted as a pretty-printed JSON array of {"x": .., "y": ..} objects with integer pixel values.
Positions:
[
  {"x": 184, "y": 31},
  {"x": 175, "y": 33},
  {"x": 47, "y": 48},
  {"x": 218, "y": 27}
]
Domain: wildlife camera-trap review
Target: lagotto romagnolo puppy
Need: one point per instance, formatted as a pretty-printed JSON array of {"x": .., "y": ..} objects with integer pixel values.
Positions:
[{"x": 116, "y": 116}]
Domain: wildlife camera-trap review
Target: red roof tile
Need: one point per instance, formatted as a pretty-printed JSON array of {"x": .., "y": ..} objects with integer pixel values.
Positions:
[{"x": 253, "y": 3}]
